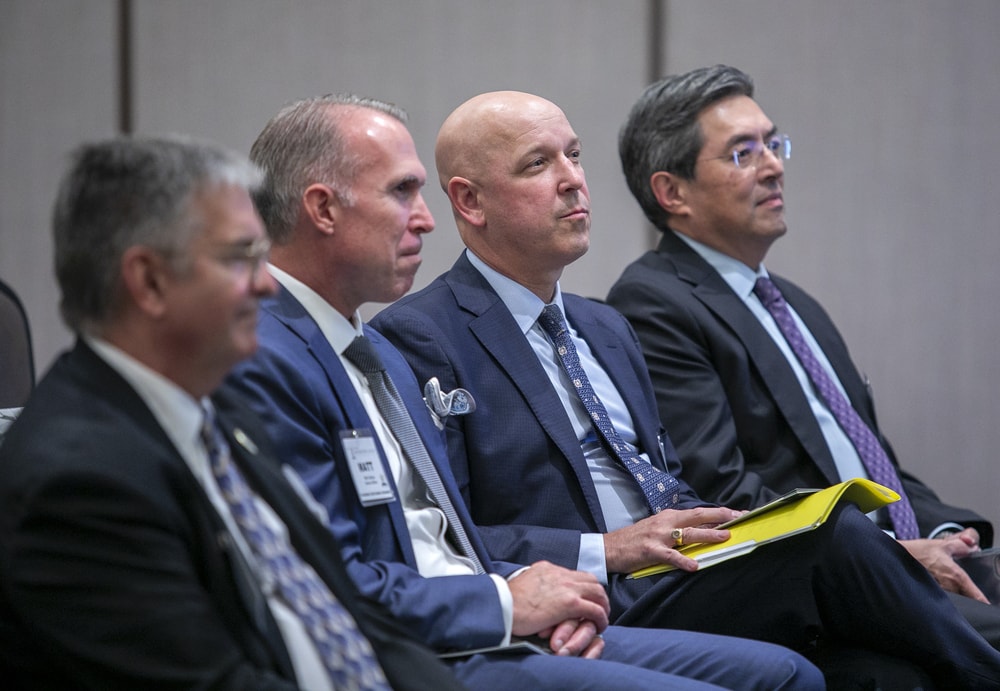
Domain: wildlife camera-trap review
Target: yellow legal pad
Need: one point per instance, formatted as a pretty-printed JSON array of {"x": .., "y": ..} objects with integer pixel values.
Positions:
[{"x": 790, "y": 514}]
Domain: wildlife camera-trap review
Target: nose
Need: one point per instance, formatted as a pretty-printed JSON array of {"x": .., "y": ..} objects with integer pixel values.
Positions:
[
  {"x": 574, "y": 177},
  {"x": 421, "y": 220},
  {"x": 770, "y": 165}
]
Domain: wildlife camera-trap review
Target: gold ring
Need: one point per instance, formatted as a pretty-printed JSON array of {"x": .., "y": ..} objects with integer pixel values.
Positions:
[{"x": 678, "y": 535}]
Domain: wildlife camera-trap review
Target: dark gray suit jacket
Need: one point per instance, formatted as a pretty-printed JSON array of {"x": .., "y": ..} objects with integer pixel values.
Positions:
[{"x": 732, "y": 404}]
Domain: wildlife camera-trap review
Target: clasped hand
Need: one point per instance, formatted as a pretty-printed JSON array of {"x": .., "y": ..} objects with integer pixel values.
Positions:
[
  {"x": 569, "y": 608},
  {"x": 649, "y": 542}
]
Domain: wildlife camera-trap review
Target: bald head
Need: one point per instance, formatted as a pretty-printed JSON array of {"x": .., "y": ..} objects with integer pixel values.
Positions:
[
  {"x": 482, "y": 127},
  {"x": 510, "y": 165}
]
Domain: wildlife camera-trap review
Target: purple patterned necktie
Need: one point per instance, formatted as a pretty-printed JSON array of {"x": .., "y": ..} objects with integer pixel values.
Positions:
[
  {"x": 346, "y": 653},
  {"x": 869, "y": 449},
  {"x": 658, "y": 487}
]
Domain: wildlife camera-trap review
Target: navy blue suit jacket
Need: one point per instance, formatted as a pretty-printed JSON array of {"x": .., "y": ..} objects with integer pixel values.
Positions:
[
  {"x": 298, "y": 385},
  {"x": 458, "y": 330},
  {"x": 742, "y": 425}
]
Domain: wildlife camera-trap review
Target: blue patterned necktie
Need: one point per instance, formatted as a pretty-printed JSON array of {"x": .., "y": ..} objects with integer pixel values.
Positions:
[
  {"x": 872, "y": 455},
  {"x": 390, "y": 404},
  {"x": 658, "y": 487},
  {"x": 346, "y": 653}
]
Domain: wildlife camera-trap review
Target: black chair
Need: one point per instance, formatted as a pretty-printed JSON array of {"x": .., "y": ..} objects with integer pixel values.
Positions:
[{"x": 17, "y": 365}]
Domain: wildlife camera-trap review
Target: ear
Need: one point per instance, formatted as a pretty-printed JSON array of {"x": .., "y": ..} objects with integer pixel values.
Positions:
[
  {"x": 320, "y": 203},
  {"x": 670, "y": 192},
  {"x": 464, "y": 196},
  {"x": 145, "y": 274}
]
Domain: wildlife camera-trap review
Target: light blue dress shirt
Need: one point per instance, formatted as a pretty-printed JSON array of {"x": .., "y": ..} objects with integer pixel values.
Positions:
[{"x": 622, "y": 502}]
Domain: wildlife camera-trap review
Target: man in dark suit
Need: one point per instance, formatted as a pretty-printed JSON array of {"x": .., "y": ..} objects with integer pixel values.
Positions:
[
  {"x": 564, "y": 413},
  {"x": 748, "y": 420},
  {"x": 123, "y": 564},
  {"x": 343, "y": 205}
]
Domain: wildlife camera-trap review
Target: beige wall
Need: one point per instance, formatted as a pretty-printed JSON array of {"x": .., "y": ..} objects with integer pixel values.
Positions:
[
  {"x": 891, "y": 195},
  {"x": 890, "y": 106}
]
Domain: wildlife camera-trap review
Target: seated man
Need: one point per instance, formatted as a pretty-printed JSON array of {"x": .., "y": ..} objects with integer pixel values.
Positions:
[
  {"x": 564, "y": 457},
  {"x": 342, "y": 203},
  {"x": 123, "y": 562},
  {"x": 754, "y": 412}
]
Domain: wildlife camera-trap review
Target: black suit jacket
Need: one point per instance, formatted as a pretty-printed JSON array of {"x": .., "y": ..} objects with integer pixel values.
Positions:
[
  {"x": 734, "y": 409},
  {"x": 117, "y": 572}
]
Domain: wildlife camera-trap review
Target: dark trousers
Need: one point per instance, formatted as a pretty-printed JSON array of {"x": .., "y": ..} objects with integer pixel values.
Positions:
[{"x": 846, "y": 585}]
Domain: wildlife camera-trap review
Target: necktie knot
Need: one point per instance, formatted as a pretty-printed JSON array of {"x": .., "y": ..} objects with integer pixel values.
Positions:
[
  {"x": 552, "y": 322},
  {"x": 767, "y": 292},
  {"x": 362, "y": 353}
]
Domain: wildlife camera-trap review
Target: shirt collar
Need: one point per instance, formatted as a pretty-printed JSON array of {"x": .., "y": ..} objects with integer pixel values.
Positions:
[
  {"x": 178, "y": 413},
  {"x": 524, "y": 305},
  {"x": 335, "y": 327},
  {"x": 737, "y": 275}
]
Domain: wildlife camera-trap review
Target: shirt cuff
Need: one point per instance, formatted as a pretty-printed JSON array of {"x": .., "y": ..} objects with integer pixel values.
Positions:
[
  {"x": 946, "y": 529},
  {"x": 506, "y": 604},
  {"x": 592, "y": 559}
]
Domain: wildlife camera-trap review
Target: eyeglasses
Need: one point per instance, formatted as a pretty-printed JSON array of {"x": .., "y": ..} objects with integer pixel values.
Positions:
[
  {"x": 748, "y": 154},
  {"x": 246, "y": 257}
]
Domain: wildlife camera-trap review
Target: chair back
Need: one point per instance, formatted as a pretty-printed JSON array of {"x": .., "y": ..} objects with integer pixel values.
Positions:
[{"x": 17, "y": 365}]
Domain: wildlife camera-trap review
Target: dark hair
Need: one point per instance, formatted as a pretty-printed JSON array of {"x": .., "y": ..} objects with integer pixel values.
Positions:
[
  {"x": 661, "y": 132},
  {"x": 124, "y": 192},
  {"x": 303, "y": 145}
]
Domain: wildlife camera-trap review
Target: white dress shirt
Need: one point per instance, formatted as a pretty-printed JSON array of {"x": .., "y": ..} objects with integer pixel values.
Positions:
[
  {"x": 181, "y": 417},
  {"x": 426, "y": 523}
]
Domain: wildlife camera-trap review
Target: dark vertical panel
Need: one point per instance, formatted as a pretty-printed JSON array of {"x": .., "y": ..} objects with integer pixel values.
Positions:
[
  {"x": 656, "y": 37},
  {"x": 125, "y": 119}
]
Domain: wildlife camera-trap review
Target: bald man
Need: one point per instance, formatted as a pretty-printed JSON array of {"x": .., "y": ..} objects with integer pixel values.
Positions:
[
  {"x": 342, "y": 204},
  {"x": 542, "y": 482}
]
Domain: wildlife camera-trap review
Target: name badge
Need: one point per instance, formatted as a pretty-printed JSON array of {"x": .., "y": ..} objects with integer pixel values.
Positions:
[{"x": 370, "y": 481}]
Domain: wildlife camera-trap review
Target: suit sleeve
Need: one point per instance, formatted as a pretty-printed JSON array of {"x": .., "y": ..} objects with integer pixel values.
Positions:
[
  {"x": 431, "y": 353},
  {"x": 690, "y": 393},
  {"x": 294, "y": 397},
  {"x": 104, "y": 573}
]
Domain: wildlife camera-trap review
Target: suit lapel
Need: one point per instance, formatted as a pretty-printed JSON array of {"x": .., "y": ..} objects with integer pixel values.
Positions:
[
  {"x": 778, "y": 377},
  {"x": 290, "y": 312},
  {"x": 248, "y": 595},
  {"x": 433, "y": 439},
  {"x": 833, "y": 347},
  {"x": 492, "y": 327},
  {"x": 606, "y": 346}
]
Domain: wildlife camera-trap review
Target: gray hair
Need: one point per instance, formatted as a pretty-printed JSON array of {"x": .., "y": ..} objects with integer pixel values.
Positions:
[
  {"x": 303, "y": 145},
  {"x": 662, "y": 133},
  {"x": 124, "y": 192}
]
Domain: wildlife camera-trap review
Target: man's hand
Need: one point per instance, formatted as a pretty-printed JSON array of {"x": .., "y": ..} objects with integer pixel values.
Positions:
[
  {"x": 575, "y": 638},
  {"x": 568, "y": 607},
  {"x": 648, "y": 542},
  {"x": 938, "y": 556}
]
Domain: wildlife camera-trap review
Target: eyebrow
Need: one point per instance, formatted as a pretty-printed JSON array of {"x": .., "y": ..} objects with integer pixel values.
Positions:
[
  {"x": 542, "y": 148},
  {"x": 745, "y": 136},
  {"x": 409, "y": 181}
]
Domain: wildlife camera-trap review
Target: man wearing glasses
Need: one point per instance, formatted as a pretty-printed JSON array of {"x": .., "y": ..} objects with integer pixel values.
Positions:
[{"x": 759, "y": 394}]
